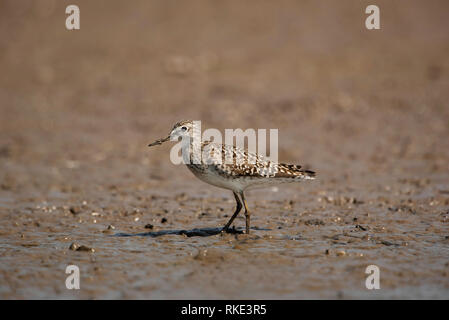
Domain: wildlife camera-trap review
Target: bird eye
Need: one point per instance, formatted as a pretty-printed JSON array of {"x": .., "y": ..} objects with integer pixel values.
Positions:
[{"x": 183, "y": 128}]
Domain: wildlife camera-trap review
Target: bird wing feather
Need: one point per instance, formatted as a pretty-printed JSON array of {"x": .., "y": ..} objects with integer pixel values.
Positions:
[{"x": 235, "y": 161}]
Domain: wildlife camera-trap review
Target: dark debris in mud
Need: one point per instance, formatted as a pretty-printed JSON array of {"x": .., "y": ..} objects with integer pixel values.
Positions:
[
  {"x": 314, "y": 222},
  {"x": 77, "y": 247},
  {"x": 361, "y": 227}
]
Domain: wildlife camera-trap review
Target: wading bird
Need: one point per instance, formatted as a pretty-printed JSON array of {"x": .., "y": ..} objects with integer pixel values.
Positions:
[{"x": 209, "y": 162}]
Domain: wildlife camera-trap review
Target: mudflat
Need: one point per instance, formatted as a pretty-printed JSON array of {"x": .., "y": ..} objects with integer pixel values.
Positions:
[{"x": 367, "y": 110}]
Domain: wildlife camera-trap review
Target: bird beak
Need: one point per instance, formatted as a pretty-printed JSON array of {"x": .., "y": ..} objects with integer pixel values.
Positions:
[{"x": 158, "y": 142}]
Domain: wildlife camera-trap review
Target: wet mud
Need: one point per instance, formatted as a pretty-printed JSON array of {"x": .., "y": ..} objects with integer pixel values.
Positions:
[
  {"x": 367, "y": 110},
  {"x": 197, "y": 232}
]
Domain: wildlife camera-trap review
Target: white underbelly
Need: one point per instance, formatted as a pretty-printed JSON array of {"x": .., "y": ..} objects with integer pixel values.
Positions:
[
  {"x": 238, "y": 184},
  {"x": 211, "y": 177}
]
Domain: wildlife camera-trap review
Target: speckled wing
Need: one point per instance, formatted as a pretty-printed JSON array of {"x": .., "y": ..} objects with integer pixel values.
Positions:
[{"x": 237, "y": 162}]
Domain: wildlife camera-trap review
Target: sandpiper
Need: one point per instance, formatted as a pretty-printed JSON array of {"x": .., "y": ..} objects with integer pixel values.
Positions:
[{"x": 247, "y": 170}]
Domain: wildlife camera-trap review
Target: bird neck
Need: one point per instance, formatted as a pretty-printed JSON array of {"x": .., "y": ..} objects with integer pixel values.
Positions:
[{"x": 191, "y": 151}]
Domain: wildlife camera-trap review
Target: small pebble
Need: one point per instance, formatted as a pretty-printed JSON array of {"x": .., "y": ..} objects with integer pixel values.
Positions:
[
  {"x": 76, "y": 247},
  {"x": 341, "y": 253},
  {"x": 74, "y": 210}
]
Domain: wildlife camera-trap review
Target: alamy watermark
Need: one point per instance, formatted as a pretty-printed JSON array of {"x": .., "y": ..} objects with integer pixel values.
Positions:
[
  {"x": 373, "y": 280},
  {"x": 73, "y": 280},
  {"x": 72, "y": 22},
  {"x": 372, "y": 22},
  {"x": 197, "y": 147}
]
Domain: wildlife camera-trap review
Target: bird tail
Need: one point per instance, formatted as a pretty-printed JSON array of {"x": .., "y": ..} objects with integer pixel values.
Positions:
[{"x": 294, "y": 172}]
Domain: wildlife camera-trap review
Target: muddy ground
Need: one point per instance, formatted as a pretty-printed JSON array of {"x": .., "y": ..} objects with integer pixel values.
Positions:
[{"x": 367, "y": 110}]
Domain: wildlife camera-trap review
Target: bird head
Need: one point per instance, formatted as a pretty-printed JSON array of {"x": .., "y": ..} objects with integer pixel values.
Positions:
[{"x": 183, "y": 129}]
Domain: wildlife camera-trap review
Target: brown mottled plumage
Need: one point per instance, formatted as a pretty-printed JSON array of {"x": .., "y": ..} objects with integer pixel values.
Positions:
[{"x": 231, "y": 167}]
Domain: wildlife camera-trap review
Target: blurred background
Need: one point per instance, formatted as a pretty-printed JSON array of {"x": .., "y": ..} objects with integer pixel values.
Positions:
[
  {"x": 78, "y": 108},
  {"x": 308, "y": 68}
]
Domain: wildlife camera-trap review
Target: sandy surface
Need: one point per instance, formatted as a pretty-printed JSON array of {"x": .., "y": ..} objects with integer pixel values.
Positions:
[{"x": 367, "y": 110}]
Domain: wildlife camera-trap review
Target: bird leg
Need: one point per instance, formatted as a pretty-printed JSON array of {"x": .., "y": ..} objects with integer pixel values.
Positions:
[
  {"x": 237, "y": 210},
  {"x": 247, "y": 214}
]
